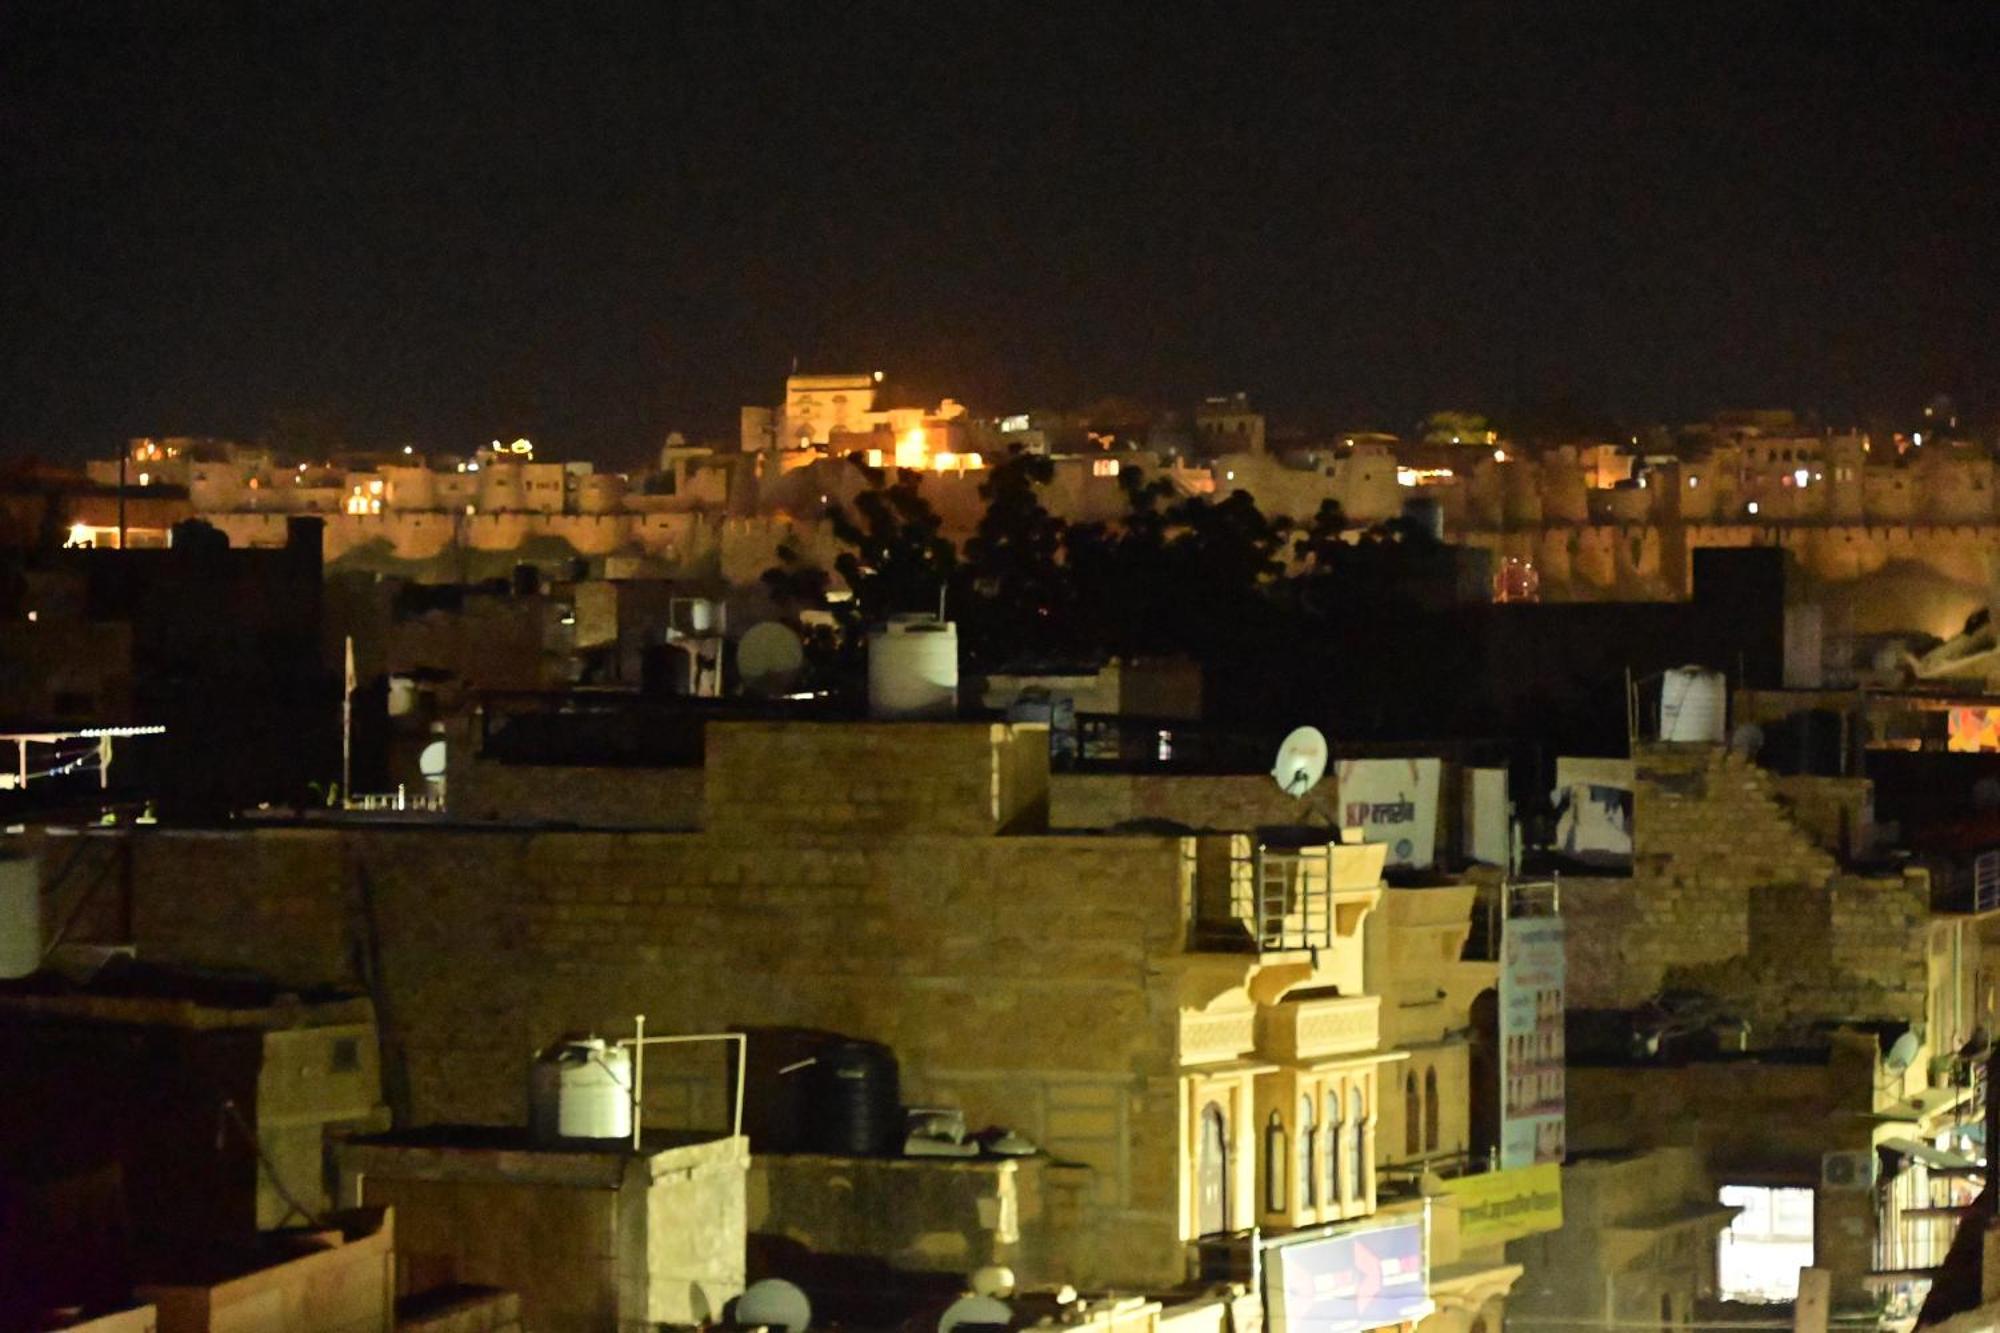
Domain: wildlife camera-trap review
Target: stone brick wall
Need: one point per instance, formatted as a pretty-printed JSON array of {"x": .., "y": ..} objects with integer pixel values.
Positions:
[
  {"x": 1731, "y": 894},
  {"x": 1602, "y": 918},
  {"x": 877, "y": 777},
  {"x": 590, "y": 797},
  {"x": 1707, "y": 831},
  {"x": 938, "y": 1215},
  {"x": 1839, "y": 813},
  {"x": 1235, "y": 801},
  {"x": 1019, "y": 978}
]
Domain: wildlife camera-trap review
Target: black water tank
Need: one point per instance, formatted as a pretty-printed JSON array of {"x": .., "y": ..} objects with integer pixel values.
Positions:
[{"x": 857, "y": 1107}]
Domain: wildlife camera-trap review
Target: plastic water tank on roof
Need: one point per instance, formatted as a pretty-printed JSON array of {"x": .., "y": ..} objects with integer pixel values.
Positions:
[
  {"x": 581, "y": 1089},
  {"x": 1693, "y": 706},
  {"x": 913, "y": 668}
]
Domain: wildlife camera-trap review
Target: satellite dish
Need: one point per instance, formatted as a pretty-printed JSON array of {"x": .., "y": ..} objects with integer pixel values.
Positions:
[
  {"x": 431, "y": 762},
  {"x": 769, "y": 658},
  {"x": 1902, "y": 1054},
  {"x": 1301, "y": 762},
  {"x": 776, "y": 1304},
  {"x": 995, "y": 1280},
  {"x": 979, "y": 1311}
]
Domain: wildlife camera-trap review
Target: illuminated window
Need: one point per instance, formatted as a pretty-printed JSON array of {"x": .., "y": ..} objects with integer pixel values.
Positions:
[
  {"x": 1357, "y": 1112},
  {"x": 1104, "y": 467},
  {"x": 1308, "y": 1155},
  {"x": 1334, "y": 1192},
  {"x": 145, "y": 479},
  {"x": 1276, "y": 1168},
  {"x": 1758, "y": 1258}
]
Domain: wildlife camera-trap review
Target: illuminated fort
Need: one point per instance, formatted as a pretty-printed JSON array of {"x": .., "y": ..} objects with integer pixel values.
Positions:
[{"x": 1592, "y": 521}]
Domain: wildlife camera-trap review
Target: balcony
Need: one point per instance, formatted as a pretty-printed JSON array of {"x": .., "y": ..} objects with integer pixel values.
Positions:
[
  {"x": 1209, "y": 1039},
  {"x": 1272, "y": 893},
  {"x": 1302, "y": 1030}
]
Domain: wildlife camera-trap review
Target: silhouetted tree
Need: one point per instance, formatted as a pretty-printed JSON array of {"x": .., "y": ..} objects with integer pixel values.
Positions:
[
  {"x": 897, "y": 558},
  {"x": 1013, "y": 599}
]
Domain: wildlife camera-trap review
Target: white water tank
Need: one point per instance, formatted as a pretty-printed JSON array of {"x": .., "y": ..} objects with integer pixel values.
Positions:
[
  {"x": 1694, "y": 706},
  {"x": 581, "y": 1089},
  {"x": 913, "y": 668},
  {"x": 20, "y": 916}
]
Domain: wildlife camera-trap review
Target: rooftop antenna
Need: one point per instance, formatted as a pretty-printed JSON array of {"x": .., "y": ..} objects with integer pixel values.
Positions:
[
  {"x": 769, "y": 659},
  {"x": 1301, "y": 762}
]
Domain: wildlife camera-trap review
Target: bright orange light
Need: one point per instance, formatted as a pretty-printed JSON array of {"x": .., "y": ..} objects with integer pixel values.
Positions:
[
  {"x": 946, "y": 461},
  {"x": 913, "y": 450}
]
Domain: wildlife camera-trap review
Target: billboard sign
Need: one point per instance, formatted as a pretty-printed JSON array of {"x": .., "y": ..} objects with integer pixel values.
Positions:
[
  {"x": 1393, "y": 801},
  {"x": 1499, "y": 1206},
  {"x": 1346, "y": 1283},
  {"x": 1531, "y": 1041}
]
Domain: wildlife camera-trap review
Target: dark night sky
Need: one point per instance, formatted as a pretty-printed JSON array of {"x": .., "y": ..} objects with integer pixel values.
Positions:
[{"x": 590, "y": 222}]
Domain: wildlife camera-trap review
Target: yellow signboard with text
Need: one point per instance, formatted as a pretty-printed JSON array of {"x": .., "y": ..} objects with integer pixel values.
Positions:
[{"x": 1506, "y": 1205}]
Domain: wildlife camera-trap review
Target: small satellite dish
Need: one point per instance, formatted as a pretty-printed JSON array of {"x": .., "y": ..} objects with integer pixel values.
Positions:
[
  {"x": 431, "y": 762},
  {"x": 769, "y": 658},
  {"x": 975, "y": 1311},
  {"x": 995, "y": 1280},
  {"x": 1901, "y": 1055},
  {"x": 776, "y": 1304},
  {"x": 1301, "y": 762}
]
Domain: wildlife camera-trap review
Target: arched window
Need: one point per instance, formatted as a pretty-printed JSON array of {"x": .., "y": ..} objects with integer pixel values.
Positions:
[
  {"x": 1431, "y": 1110},
  {"x": 1357, "y": 1115},
  {"x": 1308, "y": 1155},
  {"x": 1413, "y": 1115},
  {"x": 1212, "y": 1173},
  {"x": 1276, "y": 1168},
  {"x": 1334, "y": 1154}
]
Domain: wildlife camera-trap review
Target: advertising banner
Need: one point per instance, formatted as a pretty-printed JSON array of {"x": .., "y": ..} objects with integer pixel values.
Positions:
[
  {"x": 1343, "y": 1284},
  {"x": 1972, "y": 730},
  {"x": 1531, "y": 1041},
  {"x": 1489, "y": 817},
  {"x": 1507, "y": 1205},
  {"x": 1593, "y": 802},
  {"x": 1394, "y": 801}
]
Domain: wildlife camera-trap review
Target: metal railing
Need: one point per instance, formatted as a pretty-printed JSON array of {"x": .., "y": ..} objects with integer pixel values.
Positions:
[
  {"x": 402, "y": 798},
  {"x": 1280, "y": 899},
  {"x": 1504, "y": 902}
]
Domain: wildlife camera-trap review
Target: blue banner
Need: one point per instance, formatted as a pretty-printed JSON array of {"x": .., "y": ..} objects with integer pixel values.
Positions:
[{"x": 1347, "y": 1283}]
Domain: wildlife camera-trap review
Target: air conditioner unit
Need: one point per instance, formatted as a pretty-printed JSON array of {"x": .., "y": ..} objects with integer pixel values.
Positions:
[{"x": 1847, "y": 1170}]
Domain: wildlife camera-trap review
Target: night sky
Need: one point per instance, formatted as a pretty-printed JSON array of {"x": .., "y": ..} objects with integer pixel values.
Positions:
[{"x": 592, "y": 222}]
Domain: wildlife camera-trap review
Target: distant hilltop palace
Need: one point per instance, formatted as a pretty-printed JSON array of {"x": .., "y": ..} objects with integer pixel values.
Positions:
[{"x": 1610, "y": 519}]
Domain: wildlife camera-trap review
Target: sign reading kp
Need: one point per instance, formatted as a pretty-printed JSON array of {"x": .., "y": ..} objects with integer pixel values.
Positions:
[{"x": 1394, "y": 801}]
